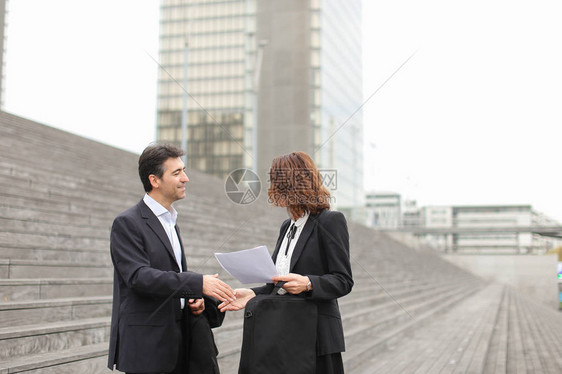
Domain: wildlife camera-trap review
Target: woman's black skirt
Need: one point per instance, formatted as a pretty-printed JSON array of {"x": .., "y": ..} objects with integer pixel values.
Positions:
[{"x": 329, "y": 364}]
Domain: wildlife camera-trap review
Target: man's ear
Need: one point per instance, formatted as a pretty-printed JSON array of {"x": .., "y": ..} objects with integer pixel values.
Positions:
[{"x": 154, "y": 181}]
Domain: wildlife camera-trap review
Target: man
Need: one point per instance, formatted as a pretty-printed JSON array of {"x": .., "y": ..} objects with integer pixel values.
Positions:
[{"x": 154, "y": 296}]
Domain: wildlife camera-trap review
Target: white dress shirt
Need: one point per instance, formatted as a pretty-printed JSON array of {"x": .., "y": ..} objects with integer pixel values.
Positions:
[
  {"x": 283, "y": 262},
  {"x": 168, "y": 220}
]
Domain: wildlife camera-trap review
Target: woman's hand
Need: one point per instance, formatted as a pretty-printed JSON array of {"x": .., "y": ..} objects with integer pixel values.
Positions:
[
  {"x": 243, "y": 295},
  {"x": 296, "y": 283}
]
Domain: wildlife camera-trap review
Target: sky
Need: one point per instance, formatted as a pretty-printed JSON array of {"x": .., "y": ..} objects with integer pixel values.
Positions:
[{"x": 473, "y": 117}]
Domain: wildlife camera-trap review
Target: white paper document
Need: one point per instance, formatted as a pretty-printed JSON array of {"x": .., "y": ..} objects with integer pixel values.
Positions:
[{"x": 249, "y": 265}]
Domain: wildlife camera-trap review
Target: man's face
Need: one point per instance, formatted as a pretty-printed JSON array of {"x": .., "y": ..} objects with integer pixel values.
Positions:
[{"x": 172, "y": 183}]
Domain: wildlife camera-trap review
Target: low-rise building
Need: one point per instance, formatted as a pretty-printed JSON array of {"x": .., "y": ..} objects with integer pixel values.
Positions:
[
  {"x": 384, "y": 209},
  {"x": 463, "y": 228},
  {"x": 487, "y": 217}
]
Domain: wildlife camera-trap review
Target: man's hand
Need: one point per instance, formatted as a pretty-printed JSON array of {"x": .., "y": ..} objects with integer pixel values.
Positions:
[
  {"x": 214, "y": 287},
  {"x": 296, "y": 283},
  {"x": 243, "y": 295},
  {"x": 197, "y": 306}
]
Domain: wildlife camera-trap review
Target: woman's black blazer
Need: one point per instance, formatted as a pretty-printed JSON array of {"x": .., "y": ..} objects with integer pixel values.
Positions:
[{"x": 322, "y": 254}]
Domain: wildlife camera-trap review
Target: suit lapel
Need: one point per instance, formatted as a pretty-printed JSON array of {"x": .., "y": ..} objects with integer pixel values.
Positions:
[
  {"x": 154, "y": 223},
  {"x": 183, "y": 262},
  {"x": 305, "y": 234},
  {"x": 284, "y": 228}
]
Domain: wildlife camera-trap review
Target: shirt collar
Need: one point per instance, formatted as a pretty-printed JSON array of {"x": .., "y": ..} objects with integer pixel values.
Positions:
[
  {"x": 159, "y": 210},
  {"x": 302, "y": 220}
]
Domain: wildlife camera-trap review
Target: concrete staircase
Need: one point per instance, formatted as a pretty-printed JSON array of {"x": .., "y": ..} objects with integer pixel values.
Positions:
[
  {"x": 494, "y": 330},
  {"x": 59, "y": 194}
]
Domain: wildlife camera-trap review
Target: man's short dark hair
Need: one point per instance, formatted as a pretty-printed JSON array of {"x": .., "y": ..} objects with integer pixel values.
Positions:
[{"x": 152, "y": 159}]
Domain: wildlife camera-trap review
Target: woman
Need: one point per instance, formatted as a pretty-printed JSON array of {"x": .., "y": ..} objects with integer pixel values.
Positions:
[{"x": 311, "y": 255}]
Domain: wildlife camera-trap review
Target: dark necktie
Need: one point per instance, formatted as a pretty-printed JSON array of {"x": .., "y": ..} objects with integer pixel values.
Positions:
[{"x": 290, "y": 236}]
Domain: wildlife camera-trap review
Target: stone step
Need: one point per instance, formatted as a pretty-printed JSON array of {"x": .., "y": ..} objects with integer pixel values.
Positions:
[
  {"x": 517, "y": 362},
  {"x": 197, "y": 254},
  {"x": 437, "y": 344},
  {"x": 62, "y": 186},
  {"x": 550, "y": 320},
  {"x": 108, "y": 206},
  {"x": 390, "y": 295},
  {"x": 20, "y": 134},
  {"x": 70, "y": 159},
  {"x": 24, "y": 269},
  {"x": 45, "y": 168},
  {"x": 393, "y": 312},
  {"x": 211, "y": 240},
  {"x": 442, "y": 345},
  {"x": 527, "y": 330},
  {"x": 28, "y": 212},
  {"x": 17, "y": 196},
  {"x": 88, "y": 359},
  {"x": 87, "y": 256},
  {"x": 59, "y": 160},
  {"x": 470, "y": 356},
  {"x": 202, "y": 229},
  {"x": 18, "y": 313},
  {"x": 45, "y": 336},
  {"x": 47, "y": 183},
  {"x": 193, "y": 209},
  {"x": 58, "y": 198},
  {"x": 496, "y": 361},
  {"x": 411, "y": 263},
  {"x": 53, "y": 228},
  {"x": 222, "y": 332},
  {"x": 40, "y": 289},
  {"x": 372, "y": 343},
  {"x": 52, "y": 288},
  {"x": 4, "y": 269},
  {"x": 30, "y": 231},
  {"x": 530, "y": 346},
  {"x": 365, "y": 287},
  {"x": 60, "y": 202},
  {"x": 105, "y": 206},
  {"x": 229, "y": 363},
  {"x": 33, "y": 240},
  {"x": 78, "y": 189},
  {"x": 50, "y": 337},
  {"x": 206, "y": 187},
  {"x": 547, "y": 336}
]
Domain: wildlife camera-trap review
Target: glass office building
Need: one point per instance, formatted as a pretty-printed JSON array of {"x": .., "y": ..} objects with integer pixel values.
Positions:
[
  {"x": 215, "y": 34},
  {"x": 341, "y": 97},
  {"x": 292, "y": 67}
]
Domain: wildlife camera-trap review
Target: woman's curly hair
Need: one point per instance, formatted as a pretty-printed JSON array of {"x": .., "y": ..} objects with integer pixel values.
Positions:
[{"x": 296, "y": 183}]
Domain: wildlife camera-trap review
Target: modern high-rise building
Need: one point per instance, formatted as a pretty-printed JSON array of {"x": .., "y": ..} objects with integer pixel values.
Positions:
[{"x": 263, "y": 78}]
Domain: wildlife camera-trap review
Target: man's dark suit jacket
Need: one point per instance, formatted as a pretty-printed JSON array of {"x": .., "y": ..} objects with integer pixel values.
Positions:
[
  {"x": 146, "y": 292},
  {"x": 322, "y": 254}
]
